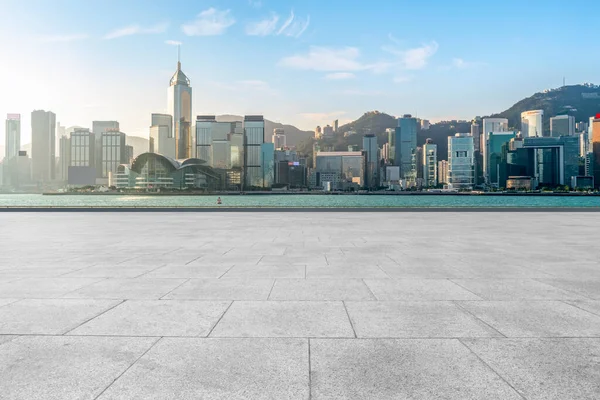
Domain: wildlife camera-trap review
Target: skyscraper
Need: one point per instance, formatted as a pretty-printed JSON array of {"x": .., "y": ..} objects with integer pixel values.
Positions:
[
  {"x": 562, "y": 125},
  {"x": 12, "y": 140},
  {"x": 372, "y": 160},
  {"x": 336, "y": 125},
  {"x": 461, "y": 169},
  {"x": 254, "y": 134},
  {"x": 161, "y": 136},
  {"x": 596, "y": 149},
  {"x": 279, "y": 138},
  {"x": 180, "y": 108},
  {"x": 532, "y": 123},
  {"x": 43, "y": 147},
  {"x": 430, "y": 163},
  {"x": 405, "y": 144},
  {"x": 490, "y": 125},
  {"x": 208, "y": 132},
  {"x": 98, "y": 128}
]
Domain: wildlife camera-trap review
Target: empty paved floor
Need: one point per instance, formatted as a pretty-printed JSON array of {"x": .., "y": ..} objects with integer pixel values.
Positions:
[{"x": 299, "y": 305}]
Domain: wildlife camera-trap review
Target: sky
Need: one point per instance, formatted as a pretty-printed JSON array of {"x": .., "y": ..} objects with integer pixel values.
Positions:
[{"x": 304, "y": 62}]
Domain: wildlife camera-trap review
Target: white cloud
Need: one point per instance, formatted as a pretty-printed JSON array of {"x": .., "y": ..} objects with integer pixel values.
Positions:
[
  {"x": 255, "y": 3},
  {"x": 287, "y": 23},
  {"x": 64, "y": 38},
  {"x": 358, "y": 92},
  {"x": 264, "y": 27},
  {"x": 402, "y": 79},
  {"x": 211, "y": 22},
  {"x": 137, "y": 30},
  {"x": 338, "y": 76},
  {"x": 293, "y": 26},
  {"x": 415, "y": 58},
  {"x": 173, "y": 42},
  {"x": 345, "y": 59}
]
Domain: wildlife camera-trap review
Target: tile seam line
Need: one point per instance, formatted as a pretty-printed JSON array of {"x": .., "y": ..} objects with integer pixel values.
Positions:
[
  {"x": 492, "y": 369},
  {"x": 369, "y": 289},
  {"x": 225, "y": 273},
  {"x": 174, "y": 289},
  {"x": 79, "y": 288},
  {"x": 349, "y": 319},
  {"x": 128, "y": 368},
  {"x": 576, "y": 306},
  {"x": 468, "y": 290},
  {"x": 219, "y": 320},
  {"x": 309, "y": 372},
  {"x": 147, "y": 272},
  {"x": 460, "y": 306},
  {"x": 272, "y": 287},
  {"x": 558, "y": 287},
  {"x": 94, "y": 317}
]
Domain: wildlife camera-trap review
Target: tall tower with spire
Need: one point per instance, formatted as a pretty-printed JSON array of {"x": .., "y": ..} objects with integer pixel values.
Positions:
[{"x": 180, "y": 107}]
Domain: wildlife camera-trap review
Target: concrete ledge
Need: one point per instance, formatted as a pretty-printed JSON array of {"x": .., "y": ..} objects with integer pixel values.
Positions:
[{"x": 302, "y": 209}]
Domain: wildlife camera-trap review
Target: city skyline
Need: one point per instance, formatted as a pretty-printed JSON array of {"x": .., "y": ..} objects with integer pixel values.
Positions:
[{"x": 302, "y": 64}]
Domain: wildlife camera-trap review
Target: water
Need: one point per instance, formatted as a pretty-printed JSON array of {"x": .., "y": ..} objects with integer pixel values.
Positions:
[{"x": 362, "y": 201}]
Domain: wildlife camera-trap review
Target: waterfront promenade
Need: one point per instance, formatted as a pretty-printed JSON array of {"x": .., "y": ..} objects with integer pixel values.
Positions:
[{"x": 278, "y": 305}]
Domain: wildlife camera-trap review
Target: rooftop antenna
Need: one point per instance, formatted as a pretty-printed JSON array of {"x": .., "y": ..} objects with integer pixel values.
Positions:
[{"x": 178, "y": 56}]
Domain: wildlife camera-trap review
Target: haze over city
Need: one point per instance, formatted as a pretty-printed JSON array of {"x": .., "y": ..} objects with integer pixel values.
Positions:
[{"x": 301, "y": 63}]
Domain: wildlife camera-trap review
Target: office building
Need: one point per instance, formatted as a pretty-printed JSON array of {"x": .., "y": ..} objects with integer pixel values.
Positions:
[
  {"x": 237, "y": 145},
  {"x": 583, "y": 144},
  {"x": 82, "y": 148},
  {"x": 476, "y": 133},
  {"x": 180, "y": 108},
  {"x": 12, "y": 145},
  {"x": 595, "y": 148},
  {"x": 339, "y": 170},
  {"x": 328, "y": 131},
  {"x": 532, "y": 123},
  {"x": 254, "y": 133},
  {"x": 336, "y": 125},
  {"x": 220, "y": 154},
  {"x": 279, "y": 138},
  {"x": 162, "y": 140},
  {"x": 562, "y": 125},
  {"x": 495, "y": 143},
  {"x": 555, "y": 160},
  {"x": 113, "y": 152},
  {"x": 98, "y": 128},
  {"x": 391, "y": 135},
  {"x": 318, "y": 132},
  {"x": 425, "y": 124},
  {"x": 60, "y": 132},
  {"x": 371, "y": 150},
  {"x": 443, "y": 171},
  {"x": 405, "y": 145},
  {"x": 490, "y": 125},
  {"x": 208, "y": 130},
  {"x": 461, "y": 167},
  {"x": 43, "y": 146},
  {"x": 430, "y": 164},
  {"x": 64, "y": 158},
  {"x": 267, "y": 159}
]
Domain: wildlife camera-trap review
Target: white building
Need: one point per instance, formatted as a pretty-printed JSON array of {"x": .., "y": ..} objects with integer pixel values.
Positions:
[
  {"x": 279, "y": 138},
  {"x": 461, "y": 161},
  {"x": 562, "y": 125},
  {"x": 430, "y": 163},
  {"x": 532, "y": 123},
  {"x": 162, "y": 140}
]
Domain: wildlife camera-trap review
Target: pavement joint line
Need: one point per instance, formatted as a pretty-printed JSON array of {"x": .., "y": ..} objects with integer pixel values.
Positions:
[
  {"x": 468, "y": 290},
  {"x": 459, "y": 306},
  {"x": 259, "y": 260},
  {"x": 369, "y": 289},
  {"x": 194, "y": 259},
  {"x": 147, "y": 272},
  {"x": 576, "y": 306},
  {"x": 94, "y": 317},
  {"x": 175, "y": 288},
  {"x": 272, "y": 287},
  {"x": 82, "y": 287},
  {"x": 566, "y": 290},
  {"x": 349, "y": 319},
  {"x": 128, "y": 368},
  {"x": 220, "y": 318},
  {"x": 492, "y": 369},
  {"x": 225, "y": 273}
]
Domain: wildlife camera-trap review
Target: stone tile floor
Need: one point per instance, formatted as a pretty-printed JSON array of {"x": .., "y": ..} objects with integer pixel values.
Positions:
[{"x": 299, "y": 305}]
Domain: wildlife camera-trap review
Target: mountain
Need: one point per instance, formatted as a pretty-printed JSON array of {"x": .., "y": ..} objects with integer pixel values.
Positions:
[
  {"x": 293, "y": 135},
  {"x": 580, "y": 101}
]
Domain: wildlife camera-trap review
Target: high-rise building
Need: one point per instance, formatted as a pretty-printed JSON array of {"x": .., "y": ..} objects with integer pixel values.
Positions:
[
  {"x": 391, "y": 134},
  {"x": 162, "y": 140},
  {"x": 338, "y": 170},
  {"x": 562, "y": 125},
  {"x": 430, "y": 163},
  {"x": 490, "y": 125},
  {"x": 425, "y": 124},
  {"x": 279, "y": 138},
  {"x": 113, "y": 152},
  {"x": 237, "y": 145},
  {"x": 532, "y": 123},
  {"x": 12, "y": 139},
  {"x": 476, "y": 133},
  {"x": 494, "y": 154},
  {"x": 371, "y": 150},
  {"x": 405, "y": 145},
  {"x": 208, "y": 131},
  {"x": 328, "y": 131},
  {"x": 64, "y": 158},
  {"x": 83, "y": 150},
  {"x": 555, "y": 159},
  {"x": 268, "y": 164},
  {"x": 98, "y": 128},
  {"x": 60, "y": 132},
  {"x": 461, "y": 167},
  {"x": 596, "y": 148},
  {"x": 318, "y": 132},
  {"x": 443, "y": 171},
  {"x": 43, "y": 146},
  {"x": 180, "y": 108},
  {"x": 336, "y": 125},
  {"x": 254, "y": 134}
]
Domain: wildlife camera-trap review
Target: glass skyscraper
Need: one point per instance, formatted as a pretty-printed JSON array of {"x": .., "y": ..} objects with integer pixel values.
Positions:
[
  {"x": 371, "y": 150},
  {"x": 405, "y": 145},
  {"x": 180, "y": 108},
  {"x": 254, "y": 134},
  {"x": 461, "y": 166},
  {"x": 495, "y": 142},
  {"x": 43, "y": 146}
]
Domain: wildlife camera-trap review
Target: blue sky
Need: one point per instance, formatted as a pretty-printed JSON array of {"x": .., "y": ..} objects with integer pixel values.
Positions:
[{"x": 300, "y": 62}]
